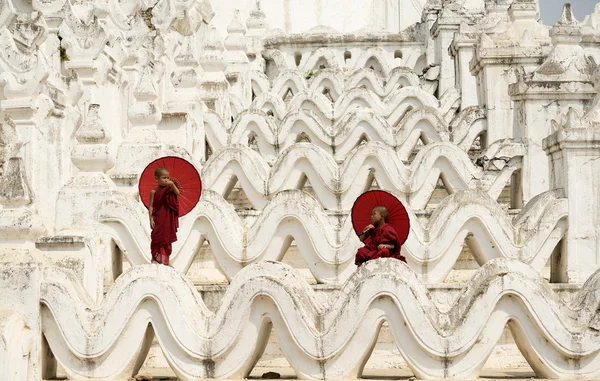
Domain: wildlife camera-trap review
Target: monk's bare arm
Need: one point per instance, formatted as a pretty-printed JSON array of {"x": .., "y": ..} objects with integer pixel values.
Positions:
[
  {"x": 175, "y": 189},
  {"x": 150, "y": 209},
  {"x": 363, "y": 237},
  {"x": 366, "y": 233}
]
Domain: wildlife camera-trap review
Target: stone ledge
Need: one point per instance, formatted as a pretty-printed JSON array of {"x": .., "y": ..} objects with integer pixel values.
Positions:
[{"x": 43, "y": 242}]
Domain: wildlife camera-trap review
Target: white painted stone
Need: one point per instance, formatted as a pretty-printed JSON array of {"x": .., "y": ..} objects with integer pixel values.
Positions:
[
  {"x": 295, "y": 16},
  {"x": 481, "y": 119}
]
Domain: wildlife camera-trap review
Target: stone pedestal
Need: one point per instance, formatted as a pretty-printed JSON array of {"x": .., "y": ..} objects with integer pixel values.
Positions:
[
  {"x": 142, "y": 144},
  {"x": 574, "y": 153},
  {"x": 78, "y": 199},
  {"x": 563, "y": 81},
  {"x": 443, "y": 32},
  {"x": 463, "y": 50},
  {"x": 518, "y": 44},
  {"x": 536, "y": 105},
  {"x": 214, "y": 87},
  {"x": 237, "y": 72}
]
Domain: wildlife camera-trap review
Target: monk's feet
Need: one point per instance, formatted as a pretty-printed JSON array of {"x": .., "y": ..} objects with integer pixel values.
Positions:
[{"x": 154, "y": 262}]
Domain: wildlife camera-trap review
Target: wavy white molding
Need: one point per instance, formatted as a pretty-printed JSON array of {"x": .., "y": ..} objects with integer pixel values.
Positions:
[
  {"x": 336, "y": 110},
  {"x": 377, "y": 60},
  {"x": 329, "y": 248},
  {"x": 392, "y": 108},
  {"x": 336, "y": 81},
  {"x": 338, "y": 186},
  {"x": 339, "y": 137},
  {"x": 320, "y": 340}
]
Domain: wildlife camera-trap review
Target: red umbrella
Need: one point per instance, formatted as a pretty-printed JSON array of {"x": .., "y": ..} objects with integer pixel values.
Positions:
[
  {"x": 397, "y": 215},
  {"x": 183, "y": 174}
]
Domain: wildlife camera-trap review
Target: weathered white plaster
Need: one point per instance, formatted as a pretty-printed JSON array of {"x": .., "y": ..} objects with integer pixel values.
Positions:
[
  {"x": 321, "y": 339},
  {"x": 481, "y": 119},
  {"x": 295, "y": 16}
]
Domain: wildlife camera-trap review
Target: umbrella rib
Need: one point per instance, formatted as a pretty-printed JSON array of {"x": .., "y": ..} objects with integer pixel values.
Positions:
[{"x": 188, "y": 177}]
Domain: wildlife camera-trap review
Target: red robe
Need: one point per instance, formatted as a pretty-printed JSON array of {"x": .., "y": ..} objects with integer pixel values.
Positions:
[
  {"x": 165, "y": 212},
  {"x": 386, "y": 235}
]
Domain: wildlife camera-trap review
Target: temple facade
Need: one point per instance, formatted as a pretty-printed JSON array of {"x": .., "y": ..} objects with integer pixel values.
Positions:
[{"x": 482, "y": 120}]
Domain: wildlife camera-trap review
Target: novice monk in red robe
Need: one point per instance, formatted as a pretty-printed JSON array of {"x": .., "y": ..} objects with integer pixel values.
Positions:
[
  {"x": 380, "y": 239},
  {"x": 164, "y": 215}
]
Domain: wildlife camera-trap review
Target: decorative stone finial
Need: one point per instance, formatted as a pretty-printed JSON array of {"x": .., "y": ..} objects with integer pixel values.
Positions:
[
  {"x": 566, "y": 29},
  {"x": 235, "y": 43},
  {"x": 236, "y": 27},
  {"x": 214, "y": 87},
  {"x": 523, "y": 23},
  {"x": 92, "y": 153},
  {"x": 186, "y": 54},
  {"x": 567, "y": 61},
  {"x": 235, "y": 33},
  {"x": 212, "y": 58},
  {"x": 14, "y": 187},
  {"x": 92, "y": 131},
  {"x": 144, "y": 111},
  {"x": 257, "y": 19},
  {"x": 591, "y": 23},
  {"x": 185, "y": 76},
  {"x": 567, "y": 18},
  {"x": 146, "y": 89}
]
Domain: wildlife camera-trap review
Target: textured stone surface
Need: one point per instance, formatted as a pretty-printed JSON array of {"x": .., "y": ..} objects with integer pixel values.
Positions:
[{"x": 482, "y": 120}]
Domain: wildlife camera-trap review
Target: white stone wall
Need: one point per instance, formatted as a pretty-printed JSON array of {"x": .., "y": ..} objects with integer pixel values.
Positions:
[
  {"x": 296, "y": 16},
  {"x": 483, "y": 121}
]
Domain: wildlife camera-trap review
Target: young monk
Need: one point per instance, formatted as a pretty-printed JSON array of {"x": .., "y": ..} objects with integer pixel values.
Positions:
[
  {"x": 164, "y": 215},
  {"x": 380, "y": 239}
]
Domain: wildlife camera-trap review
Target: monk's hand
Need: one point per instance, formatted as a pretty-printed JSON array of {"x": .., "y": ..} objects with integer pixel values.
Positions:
[
  {"x": 383, "y": 246},
  {"x": 152, "y": 224},
  {"x": 170, "y": 183},
  {"x": 368, "y": 227}
]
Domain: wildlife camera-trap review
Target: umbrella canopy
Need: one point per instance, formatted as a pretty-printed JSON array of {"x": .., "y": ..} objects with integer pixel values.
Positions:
[
  {"x": 397, "y": 215},
  {"x": 183, "y": 174}
]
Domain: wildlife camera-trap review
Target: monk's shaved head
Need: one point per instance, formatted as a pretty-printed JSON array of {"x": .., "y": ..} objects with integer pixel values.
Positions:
[
  {"x": 383, "y": 211},
  {"x": 159, "y": 171}
]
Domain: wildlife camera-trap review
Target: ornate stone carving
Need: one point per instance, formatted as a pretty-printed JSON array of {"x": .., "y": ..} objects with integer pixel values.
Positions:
[
  {"x": 23, "y": 68},
  {"x": 453, "y": 115},
  {"x": 14, "y": 187},
  {"x": 235, "y": 43},
  {"x": 83, "y": 36},
  {"x": 567, "y": 60},
  {"x": 92, "y": 153}
]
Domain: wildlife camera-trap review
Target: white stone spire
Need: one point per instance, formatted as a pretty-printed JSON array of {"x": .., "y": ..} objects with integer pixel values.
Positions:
[
  {"x": 92, "y": 153},
  {"x": 524, "y": 26},
  {"x": 257, "y": 22},
  {"x": 214, "y": 83},
  {"x": 567, "y": 61},
  {"x": 184, "y": 76},
  {"x": 235, "y": 43}
]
